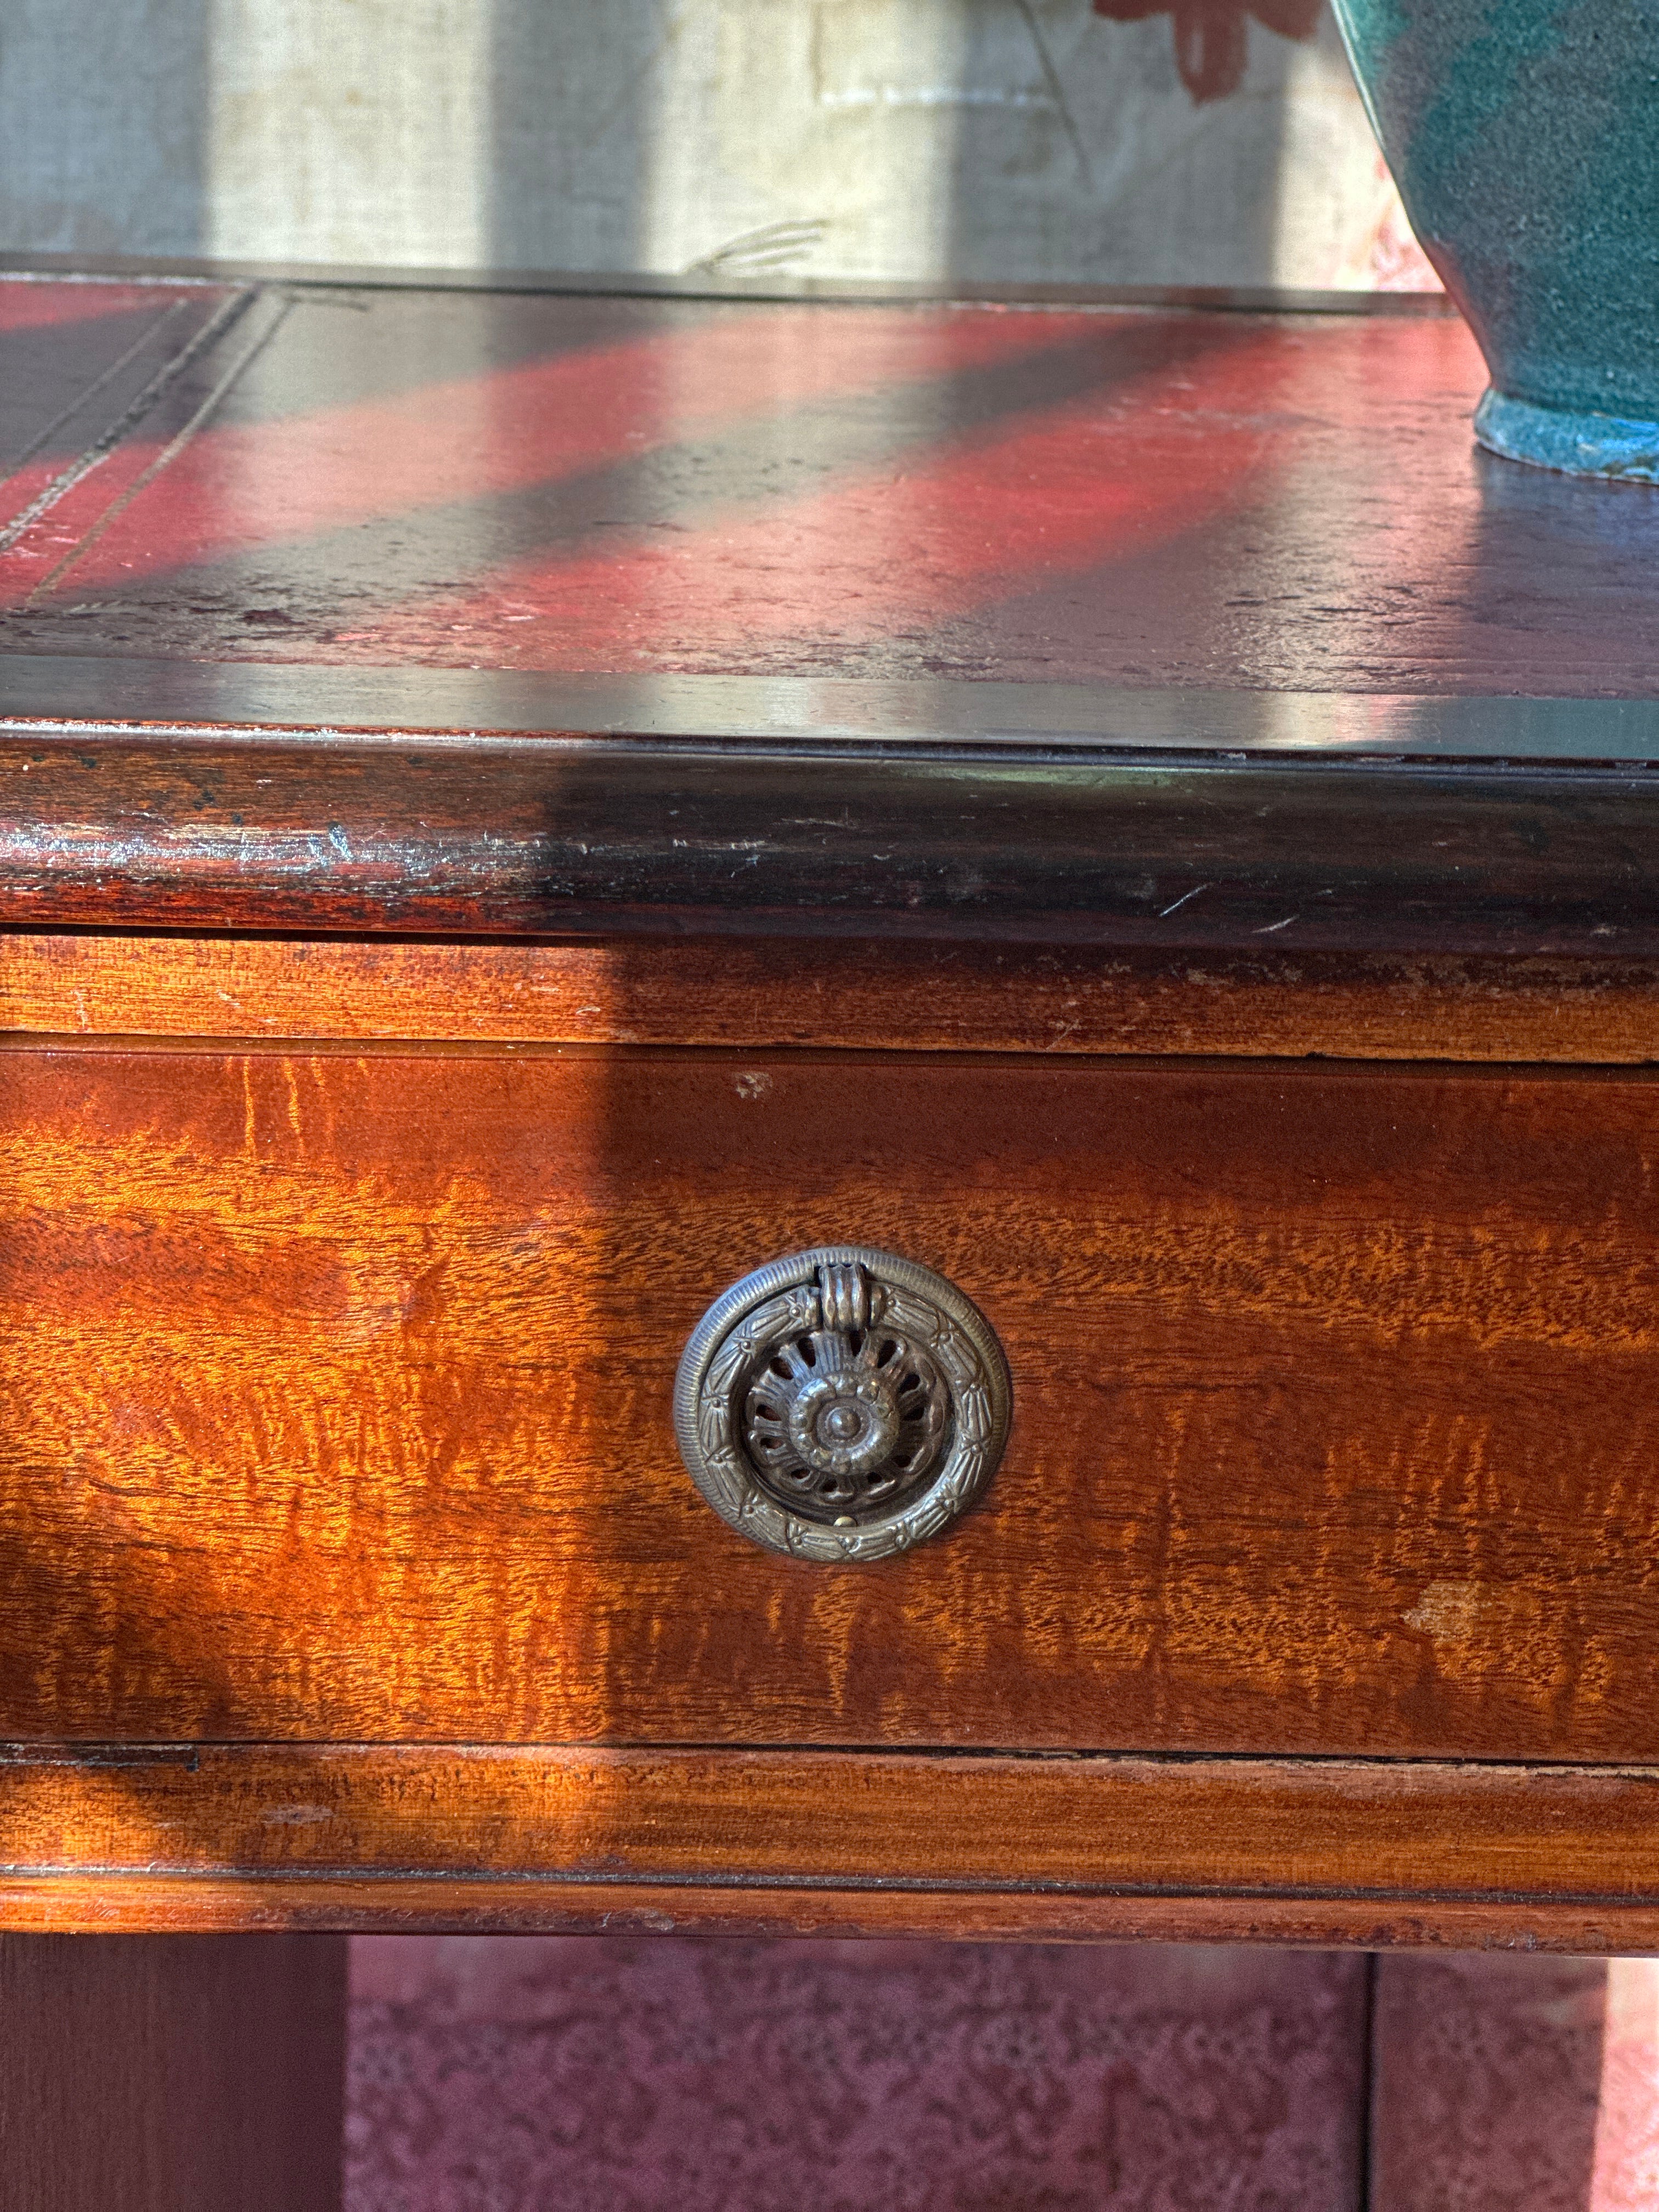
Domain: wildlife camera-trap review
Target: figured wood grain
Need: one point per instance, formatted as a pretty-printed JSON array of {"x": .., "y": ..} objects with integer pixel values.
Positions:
[
  {"x": 337, "y": 1392},
  {"x": 171, "y": 2073},
  {"x": 1371, "y": 1852},
  {"x": 750, "y": 995}
]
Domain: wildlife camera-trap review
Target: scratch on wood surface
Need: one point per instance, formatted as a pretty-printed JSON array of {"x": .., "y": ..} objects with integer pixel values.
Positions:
[{"x": 1176, "y": 905}]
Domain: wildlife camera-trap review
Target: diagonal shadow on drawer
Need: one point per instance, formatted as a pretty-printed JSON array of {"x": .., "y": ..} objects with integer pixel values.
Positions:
[{"x": 338, "y": 1411}]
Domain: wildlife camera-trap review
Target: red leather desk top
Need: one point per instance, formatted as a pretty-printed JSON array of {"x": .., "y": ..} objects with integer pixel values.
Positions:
[{"x": 543, "y": 482}]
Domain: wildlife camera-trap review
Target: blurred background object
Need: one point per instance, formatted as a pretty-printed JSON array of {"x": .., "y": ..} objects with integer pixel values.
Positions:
[
  {"x": 814, "y": 2076},
  {"x": 962, "y": 2077},
  {"x": 1208, "y": 142},
  {"x": 1212, "y": 37}
]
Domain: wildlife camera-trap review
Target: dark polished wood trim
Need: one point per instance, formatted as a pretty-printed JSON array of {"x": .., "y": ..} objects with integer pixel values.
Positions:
[
  {"x": 306, "y": 1835},
  {"x": 846, "y": 291},
  {"x": 543, "y": 836}
]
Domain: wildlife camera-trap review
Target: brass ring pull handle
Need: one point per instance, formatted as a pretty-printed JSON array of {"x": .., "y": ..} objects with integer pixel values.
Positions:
[{"x": 841, "y": 1404}]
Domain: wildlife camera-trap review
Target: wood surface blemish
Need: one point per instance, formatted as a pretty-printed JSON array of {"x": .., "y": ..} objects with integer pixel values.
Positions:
[{"x": 1452, "y": 1612}]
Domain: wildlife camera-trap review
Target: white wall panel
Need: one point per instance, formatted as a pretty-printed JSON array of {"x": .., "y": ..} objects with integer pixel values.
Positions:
[{"x": 995, "y": 139}]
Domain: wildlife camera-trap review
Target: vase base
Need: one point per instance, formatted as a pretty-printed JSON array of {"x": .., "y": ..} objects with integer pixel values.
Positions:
[{"x": 1608, "y": 445}]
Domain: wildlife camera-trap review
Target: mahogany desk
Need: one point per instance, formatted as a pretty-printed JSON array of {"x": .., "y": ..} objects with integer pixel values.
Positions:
[{"x": 521, "y": 807}]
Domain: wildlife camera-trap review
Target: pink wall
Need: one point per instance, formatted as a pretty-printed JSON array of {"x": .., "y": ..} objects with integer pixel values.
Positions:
[
  {"x": 1523, "y": 2082},
  {"x": 520, "y": 2074},
  {"x": 705, "y": 2076}
]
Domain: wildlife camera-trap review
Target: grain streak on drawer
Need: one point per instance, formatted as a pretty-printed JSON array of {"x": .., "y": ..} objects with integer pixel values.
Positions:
[{"x": 336, "y": 1397}]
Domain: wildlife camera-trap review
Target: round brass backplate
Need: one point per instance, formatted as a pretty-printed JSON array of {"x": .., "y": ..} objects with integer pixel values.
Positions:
[{"x": 841, "y": 1404}]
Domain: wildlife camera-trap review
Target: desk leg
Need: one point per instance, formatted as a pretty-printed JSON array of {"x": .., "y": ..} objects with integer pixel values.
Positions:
[{"x": 171, "y": 2073}]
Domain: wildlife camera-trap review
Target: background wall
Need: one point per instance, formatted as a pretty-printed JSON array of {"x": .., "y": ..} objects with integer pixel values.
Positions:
[
  {"x": 679, "y": 2076},
  {"x": 1004, "y": 140},
  {"x": 508, "y": 2075}
]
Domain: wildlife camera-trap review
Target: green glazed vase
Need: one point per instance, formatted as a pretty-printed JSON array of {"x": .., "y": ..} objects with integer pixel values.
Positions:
[{"x": 1524, "y": 137}]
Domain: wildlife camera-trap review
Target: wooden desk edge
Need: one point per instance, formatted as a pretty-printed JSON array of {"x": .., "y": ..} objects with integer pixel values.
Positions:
[
  {"x": 523, "y": 838},
  {"x": 1098, "y": 1848},
  {"x": 137, "y": 1903},
  {"x": 760, "y": 996}
]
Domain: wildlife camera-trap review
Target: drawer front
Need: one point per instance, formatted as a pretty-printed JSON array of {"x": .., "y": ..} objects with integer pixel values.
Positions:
[{"x": 337, "y": 1402}]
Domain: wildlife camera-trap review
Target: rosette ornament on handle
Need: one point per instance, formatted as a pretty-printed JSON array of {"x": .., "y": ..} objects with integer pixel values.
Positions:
[{"x": 841, "y": 1404}]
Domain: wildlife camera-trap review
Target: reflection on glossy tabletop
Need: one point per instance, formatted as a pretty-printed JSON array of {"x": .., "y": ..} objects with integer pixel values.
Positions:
[{"x": 562, "y": 482}]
